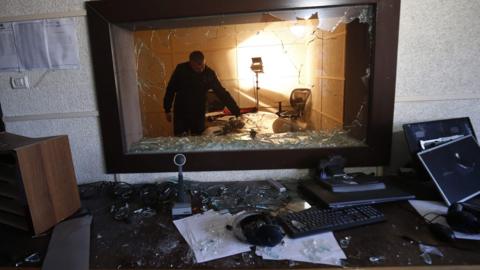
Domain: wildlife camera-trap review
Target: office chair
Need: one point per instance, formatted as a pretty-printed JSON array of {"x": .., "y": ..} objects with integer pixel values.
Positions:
[{"x": 298, "y": 100}]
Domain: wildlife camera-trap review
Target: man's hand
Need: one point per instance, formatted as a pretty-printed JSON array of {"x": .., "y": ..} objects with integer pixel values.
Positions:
[{"x": 168, "y": 116}]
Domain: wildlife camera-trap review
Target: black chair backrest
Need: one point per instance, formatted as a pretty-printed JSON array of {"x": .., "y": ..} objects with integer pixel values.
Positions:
[{"x": 299, "y": 98}]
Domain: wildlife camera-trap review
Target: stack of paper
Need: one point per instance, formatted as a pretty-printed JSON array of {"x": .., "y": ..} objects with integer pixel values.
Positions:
[
  {"x": 207, "y": 236},
  {"x": 320, "y": 248}
]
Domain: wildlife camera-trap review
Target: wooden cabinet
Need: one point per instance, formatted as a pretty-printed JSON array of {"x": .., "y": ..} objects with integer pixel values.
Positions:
[{"x": 38, "y": 187}]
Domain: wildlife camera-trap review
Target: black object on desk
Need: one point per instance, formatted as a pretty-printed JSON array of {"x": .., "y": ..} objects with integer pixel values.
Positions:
[
  {"x": 182, "y": 206},
  {"x": 347, "y": 183},
  {"x": 315, "y": 220},
  {"x": 313, "y": 190},
  {"x": 331, "y": 175},
  {"x": 257, "y": 228}
]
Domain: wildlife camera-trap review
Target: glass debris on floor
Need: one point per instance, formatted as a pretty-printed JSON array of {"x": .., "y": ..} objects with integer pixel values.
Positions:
[
  {"x": 315, "y": 250},
  {"x": 377, "y": 259},
  {"x": 428, "y": 250},
  {"x": 229, "y": 197},
  {"x": 120, "y": 212},
  {"x": 248, "y": 258},
  {"x": 139, "y": 210},
  {"x": 33, "y": 258},
  {"x": 236, "y": 197},
  {"x": 145, "y": 212},
  {"x": 345, "y": 241}
]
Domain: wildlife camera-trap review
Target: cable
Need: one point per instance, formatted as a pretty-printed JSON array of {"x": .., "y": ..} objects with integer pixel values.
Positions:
[{"x": 430, "y": 221}]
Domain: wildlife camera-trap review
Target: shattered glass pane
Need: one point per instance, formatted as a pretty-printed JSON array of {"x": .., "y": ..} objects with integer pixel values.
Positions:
[
  {"x": 243, "y": 141},
  {"x": 145, "y": 212},
  {"x": 426, "y": 258},
  {"x": 377, "y": 259},
  {"x": 237, "y": 196},
  {"x": 299, "y": 49},
  {"x": 34, "y": 258},
  {"x": 345, "y": 242},
  {"x": 428, "y": 250},
  {"x": 315, "y": 250}
]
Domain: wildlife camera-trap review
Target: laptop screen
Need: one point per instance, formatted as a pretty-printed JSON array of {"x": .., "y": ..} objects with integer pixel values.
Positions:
[
  {"x": 424, "y": 135},
  {"x": 455, "y": 168}
]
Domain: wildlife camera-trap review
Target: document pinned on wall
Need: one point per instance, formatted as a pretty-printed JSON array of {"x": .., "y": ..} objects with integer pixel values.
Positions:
[
  {"x": 49, "y": 43},
  {"x": 62, "y": 43},
  {"x": 31, "y": 44},
  {"x": 8, "y": 53}
]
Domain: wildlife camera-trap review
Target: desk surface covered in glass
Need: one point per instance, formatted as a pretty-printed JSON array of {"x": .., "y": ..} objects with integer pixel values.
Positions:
[{"x": 146, "y": 237}]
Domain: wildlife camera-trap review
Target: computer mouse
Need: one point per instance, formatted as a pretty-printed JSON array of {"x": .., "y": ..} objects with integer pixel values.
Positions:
[
  {"x": 258, "y": 228},
  {"x": 441, "y": 232}
]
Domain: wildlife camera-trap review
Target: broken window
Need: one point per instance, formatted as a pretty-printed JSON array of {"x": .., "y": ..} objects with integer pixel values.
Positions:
[{"x": 312, "y": 90}]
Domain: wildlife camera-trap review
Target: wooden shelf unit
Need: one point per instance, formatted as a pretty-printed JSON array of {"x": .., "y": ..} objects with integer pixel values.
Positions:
[{"x": 38, "y": 187}]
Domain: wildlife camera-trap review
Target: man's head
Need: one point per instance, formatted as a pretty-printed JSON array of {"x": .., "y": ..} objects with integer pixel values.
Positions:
[{"x": 197, "y": 61}]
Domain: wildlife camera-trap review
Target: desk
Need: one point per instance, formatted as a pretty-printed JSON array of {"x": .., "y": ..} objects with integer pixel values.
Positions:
[{"x": 153, "y": 242}]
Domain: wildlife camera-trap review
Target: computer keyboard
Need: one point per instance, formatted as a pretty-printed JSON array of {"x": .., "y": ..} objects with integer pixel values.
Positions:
[{"x": 316, "y": 220}]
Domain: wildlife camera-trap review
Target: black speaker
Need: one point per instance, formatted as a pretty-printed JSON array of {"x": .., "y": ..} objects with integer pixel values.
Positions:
[{"x": 258, "y": 228}]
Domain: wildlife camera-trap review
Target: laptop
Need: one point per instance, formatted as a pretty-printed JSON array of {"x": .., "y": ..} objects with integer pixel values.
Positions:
[
  {"x": 315, "y": 192},
  {"x": 424, "y": 135},
  {"x": 454, "y": 167}
]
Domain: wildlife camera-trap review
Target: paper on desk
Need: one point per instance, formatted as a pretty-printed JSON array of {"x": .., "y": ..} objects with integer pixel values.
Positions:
[
  {"x": 207, "y": 236},
  {"x": 320, "y": 248},
  {"x": 431, "y": 209}
]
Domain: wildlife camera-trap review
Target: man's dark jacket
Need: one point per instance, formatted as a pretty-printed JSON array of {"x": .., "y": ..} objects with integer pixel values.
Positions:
[{"x": 188, "y": 89}]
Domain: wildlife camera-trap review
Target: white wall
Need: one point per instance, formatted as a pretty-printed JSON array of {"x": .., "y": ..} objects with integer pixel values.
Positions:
[
  {"x": 438, "y": 77},
  {"x": 60, "y": 101},
  {"x": 438, "y": 74}
]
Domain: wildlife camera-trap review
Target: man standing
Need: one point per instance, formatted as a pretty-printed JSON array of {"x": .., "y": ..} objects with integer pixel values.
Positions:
[{"x": 187, "y": 91}]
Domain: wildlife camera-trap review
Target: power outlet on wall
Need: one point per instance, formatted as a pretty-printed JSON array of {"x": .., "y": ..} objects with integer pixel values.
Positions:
[{"x": 19, "y": 82}]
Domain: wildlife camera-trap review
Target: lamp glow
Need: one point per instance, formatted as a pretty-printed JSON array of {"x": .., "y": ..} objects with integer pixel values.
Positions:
[{"x": 298, "y": 30}]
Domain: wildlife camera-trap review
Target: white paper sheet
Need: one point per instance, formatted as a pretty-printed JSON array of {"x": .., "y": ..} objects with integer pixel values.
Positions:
[
  {"x": 432, "y": 209},
  {"x": 320, "y": 248},
  {"x": 31, "y": 44},
  {"x": 49, "y": 43},
  {"x": 8, "y": 53},
  {"x": 62, "y": 43},
  {"x": 207, "y": 236}
]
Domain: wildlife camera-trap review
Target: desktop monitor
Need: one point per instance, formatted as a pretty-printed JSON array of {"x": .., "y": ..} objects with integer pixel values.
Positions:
[{"x": 425, "y": 135}]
